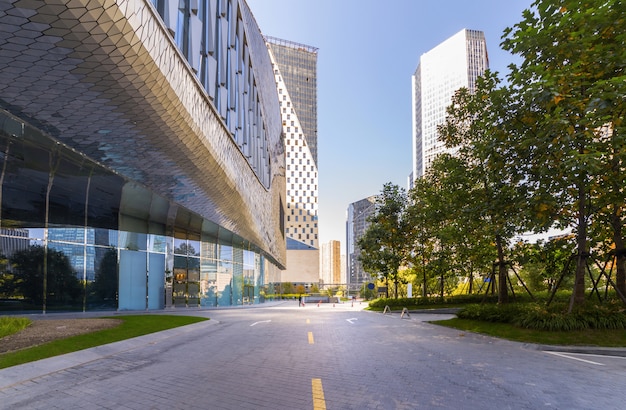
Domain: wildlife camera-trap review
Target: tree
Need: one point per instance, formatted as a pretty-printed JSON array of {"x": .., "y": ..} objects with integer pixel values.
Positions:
[
  {"x": 383, "y": 243},
  {"x": 287, "y": 288},
  {"x": 367, "y": 293},
  {"x": 28, "y": 266},
  {"x": 569, "y": 84},
  {"x": 185, "y": 249},
  {"x": 7, "y": 281},
  {"x": 105, "y": 285},
  {"x": 544, "y": 263},
  {"x": 477, "y": 127}
]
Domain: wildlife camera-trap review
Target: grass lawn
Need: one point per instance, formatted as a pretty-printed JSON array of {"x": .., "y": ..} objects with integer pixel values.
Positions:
[
  {"x": 132, "y": 326},
  {"x": 591, "y": 337}
]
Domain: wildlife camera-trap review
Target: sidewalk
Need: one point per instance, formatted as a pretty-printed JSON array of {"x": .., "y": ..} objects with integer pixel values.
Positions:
[
  {"x": 27, "y": 371},
  {"x": 35, "y": 315},
  {"x": 21, "y": 373}
]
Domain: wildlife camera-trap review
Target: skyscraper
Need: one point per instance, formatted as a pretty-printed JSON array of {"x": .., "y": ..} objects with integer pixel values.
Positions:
[
  {"x": 295, "y": 71},
  {"x": 356, "y": 224},
  {"x": 331, "y": 264},
  {"x": 451, "y": 65},
  {"x": 298, "y": 70}
]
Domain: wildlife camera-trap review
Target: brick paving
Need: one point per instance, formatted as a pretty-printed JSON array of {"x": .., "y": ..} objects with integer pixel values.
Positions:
[{"x": 261, "y": 358}]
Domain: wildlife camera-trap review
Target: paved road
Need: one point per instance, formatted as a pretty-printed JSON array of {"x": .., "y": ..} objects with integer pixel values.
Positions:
[{"x": 285, "y": 357}]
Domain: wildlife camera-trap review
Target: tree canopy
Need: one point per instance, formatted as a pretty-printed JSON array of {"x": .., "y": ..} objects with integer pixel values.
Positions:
[{"x": 545, "y": 150}]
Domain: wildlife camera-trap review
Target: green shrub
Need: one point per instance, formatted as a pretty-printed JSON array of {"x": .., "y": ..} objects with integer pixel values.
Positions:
[
  {"x": 493, "y": 312},
  {"x": 430, "y": 301},
  {"x": 10, "y": 325},
  {"x": 552, "y": 318}
]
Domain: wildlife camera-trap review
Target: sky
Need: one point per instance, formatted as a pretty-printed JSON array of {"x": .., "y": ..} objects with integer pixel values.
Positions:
[{"x": 368, "y": 51}]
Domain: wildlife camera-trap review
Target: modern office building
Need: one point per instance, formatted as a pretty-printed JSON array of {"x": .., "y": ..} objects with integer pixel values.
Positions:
[
  {"x": 331, "y": 265},
  {"x": 295, "y": 71},
  {"x": 142, "y": 156},
  {"x": 356, "y": 225},
  {"x": 451, "y": 65}
]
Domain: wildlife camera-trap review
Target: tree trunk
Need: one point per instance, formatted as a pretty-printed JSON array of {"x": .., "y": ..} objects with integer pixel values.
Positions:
[
  {"x": 620, "y": 253},
  {"x": 578, "y": 296},
  {"x": 503, "y": 294},
  {"x": 387, "y": 288},
  {"x": 442, "y": 286},
  {"x": 395, "y": 284},
  {"x": 424, "y": 290}
]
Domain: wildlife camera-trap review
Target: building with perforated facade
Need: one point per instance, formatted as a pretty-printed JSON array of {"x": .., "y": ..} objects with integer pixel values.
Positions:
[
  {"x": 141, "y": 155},
  {"x": 295, "y": 71}
]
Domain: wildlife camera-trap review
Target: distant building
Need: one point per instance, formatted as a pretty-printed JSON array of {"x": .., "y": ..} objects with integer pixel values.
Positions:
[
  {"x": 13, "y": 240},
  {"x": 451, "y": 65},
  {"x": 356, "y": 225},
  {"x": 295, "y": 71},
  {"x": 331, "y": 264}
]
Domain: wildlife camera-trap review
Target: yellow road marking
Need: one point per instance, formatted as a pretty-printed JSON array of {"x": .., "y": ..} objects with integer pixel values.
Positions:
[
  {"x": 319, "y": 403},
  {"x": 311, "y": 338},
  {"x": 308, "y": 321}
]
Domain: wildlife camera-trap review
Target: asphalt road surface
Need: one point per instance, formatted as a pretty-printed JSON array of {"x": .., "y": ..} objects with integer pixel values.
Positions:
[{"x": 327, "y": 357}]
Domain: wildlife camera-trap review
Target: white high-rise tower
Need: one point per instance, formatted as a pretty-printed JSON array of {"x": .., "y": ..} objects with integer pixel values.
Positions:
[{"x": 451, "y": 65}]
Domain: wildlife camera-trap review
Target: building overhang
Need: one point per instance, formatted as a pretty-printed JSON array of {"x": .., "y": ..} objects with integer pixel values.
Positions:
[{"x": 105, "y": 78}]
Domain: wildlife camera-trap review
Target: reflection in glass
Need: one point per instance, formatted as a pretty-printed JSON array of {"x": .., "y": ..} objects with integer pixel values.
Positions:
[
  {"x": 180, "y": 281},
  {"x": 29, "y": 272},
  {"x": 90, "y": 263},
  {"x": 133, "y": 241},
  {"x": 103, "y": 290},
  {"x": 208, "y": 282},
  {"x": 156, "y": 243},
  {"x": 193, "y": 281}
]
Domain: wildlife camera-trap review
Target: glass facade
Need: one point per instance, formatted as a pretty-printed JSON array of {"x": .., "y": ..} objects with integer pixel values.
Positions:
[
  {"x": 140, "y": 167},
  {"x": 356, "y": 225},
  {"x": 65, "y": 243},
  {"x": 298, "y": 69},
  {"x": 453, "y": 64}
]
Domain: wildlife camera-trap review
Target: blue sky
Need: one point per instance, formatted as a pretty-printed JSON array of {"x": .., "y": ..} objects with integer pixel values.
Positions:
[{"x": 368, "y": 50}]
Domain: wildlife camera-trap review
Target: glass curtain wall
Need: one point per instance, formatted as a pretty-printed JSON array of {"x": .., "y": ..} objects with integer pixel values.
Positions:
[{"x": 75, "y": 236}]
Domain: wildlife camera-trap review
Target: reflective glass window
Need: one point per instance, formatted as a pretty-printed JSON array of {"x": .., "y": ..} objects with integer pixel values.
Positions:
[
  {"x": 25, "y": 183},
  {"x": 102, "y": 292},
  {"x": 133, "y": 241},
  {"x": 157, "y": 243},
  {"x": 68, "y": 192}
]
